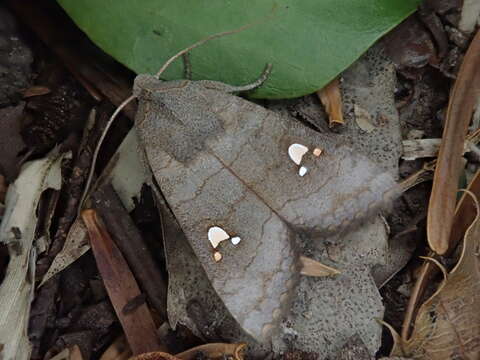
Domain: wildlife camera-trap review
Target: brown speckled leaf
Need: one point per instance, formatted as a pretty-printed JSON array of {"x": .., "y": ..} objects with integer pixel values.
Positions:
[{"x": 223, "y": 161}]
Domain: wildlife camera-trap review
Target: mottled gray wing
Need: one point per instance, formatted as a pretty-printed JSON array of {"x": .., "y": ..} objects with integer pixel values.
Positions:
[
  {"x": 254, "y": 278},
  {"x": 223, "y": 161},
  {"x": 340, "y": 186}
]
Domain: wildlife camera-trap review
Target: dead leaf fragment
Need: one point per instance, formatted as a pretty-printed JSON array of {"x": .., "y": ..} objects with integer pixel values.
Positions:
[
  {"x": 363, "y": 119},
  {"x": 36, "y": 90},
  {"x": 422, "y": 148},
  {"x": 331, "y": 98},
  {"x": 310, "y": 267},
  {"x": 17, "y": 231},
  {"x": 118, "y": 350},
  {"x": 71, "y": 353},
  {"x": 215, "y": 351},
  {"x": 208, "y": 351},
  {"x": 470, "y": 15},
  {"x": 121, "y": 287},
  {"x": 448, "y": 323}
]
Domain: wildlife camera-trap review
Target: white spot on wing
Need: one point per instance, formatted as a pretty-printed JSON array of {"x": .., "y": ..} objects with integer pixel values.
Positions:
[
  {"x": 296, "y": 152},
  {"x": 302, "y": 171},
  {"x": 216, "y": 235},
  {"x": 235, "y": 240}
]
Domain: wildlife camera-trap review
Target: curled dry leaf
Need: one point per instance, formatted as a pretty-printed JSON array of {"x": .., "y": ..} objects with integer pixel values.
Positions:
[
  {"x": 215, "y": 351},
  {"x": 208, "y": 351},
  {"x": 445, "y": 182},
  {"x": 464, "y": 215},
  {"x": 448, "y": 323},
  {"x": 331, "y": 98}
]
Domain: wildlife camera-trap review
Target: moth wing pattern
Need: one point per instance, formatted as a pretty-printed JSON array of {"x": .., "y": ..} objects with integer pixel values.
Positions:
[
  {"x": 255, "y": 278},
  {"x": 223, "y": 161}
]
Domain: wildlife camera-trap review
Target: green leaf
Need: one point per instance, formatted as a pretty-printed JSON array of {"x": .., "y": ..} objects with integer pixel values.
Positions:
[{"x": 308, "y": 42}]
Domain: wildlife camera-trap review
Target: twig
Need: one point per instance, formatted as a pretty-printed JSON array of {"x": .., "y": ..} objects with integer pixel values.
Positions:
[{"x": 130, "y": 242}]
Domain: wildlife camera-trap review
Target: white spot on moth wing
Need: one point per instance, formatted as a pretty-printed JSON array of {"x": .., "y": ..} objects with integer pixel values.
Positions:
[
  {"x": 296, "y": 152},
  {"x": 235, "y": 240},
  {"x": 302, "y": 171},
  {"x": 216, "y": 235}
]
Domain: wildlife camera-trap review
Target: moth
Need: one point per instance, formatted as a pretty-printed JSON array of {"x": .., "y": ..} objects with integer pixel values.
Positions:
[{"x": 244, "y": 182}]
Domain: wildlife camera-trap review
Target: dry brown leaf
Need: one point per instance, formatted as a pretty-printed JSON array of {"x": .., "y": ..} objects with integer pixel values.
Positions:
[
  {"x": 310, "y": 267},
  {"x": 448, "y": 323},
  {"x": 215, "y": 351},
  {"x": 36, "y": 90},
  {"x": 208, "y": 351},
  {"x": 331, "y": 98},
  {"x": 122, "y": 288},
  {"x": 444, "y": 189},
  {"x": 71, "y": 353}
]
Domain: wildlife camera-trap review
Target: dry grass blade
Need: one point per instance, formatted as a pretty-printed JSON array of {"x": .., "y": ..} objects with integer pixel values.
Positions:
[
  {"x": 122, "y": 288},
  {"x": 448, "y": 324},
  {"x": 331, "y": 98},
  {"x": 445, "y": 181}
]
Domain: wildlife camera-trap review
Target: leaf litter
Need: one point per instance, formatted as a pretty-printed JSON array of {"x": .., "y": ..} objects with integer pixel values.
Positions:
[
  {"x": 354, "y": 254},
  {"x": 17, "y": 232},
  {"x": 447, "y": 325}
]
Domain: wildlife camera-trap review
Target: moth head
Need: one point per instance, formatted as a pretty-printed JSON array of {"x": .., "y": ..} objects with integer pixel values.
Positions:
[{"x": 144, "y": 84}]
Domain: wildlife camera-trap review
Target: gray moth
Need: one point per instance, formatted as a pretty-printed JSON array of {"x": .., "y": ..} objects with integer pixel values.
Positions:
[{"x": 243, "y": 182}]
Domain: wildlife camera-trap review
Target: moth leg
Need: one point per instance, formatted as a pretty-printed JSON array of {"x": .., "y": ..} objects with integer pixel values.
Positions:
[
  {"x": 187, "y": 66},
  {"x": 217, "y": 85}
]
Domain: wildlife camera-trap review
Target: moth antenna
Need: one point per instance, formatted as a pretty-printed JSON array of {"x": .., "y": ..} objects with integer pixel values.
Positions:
[
  {"x": 201, "y": 42},
  {"x": 131, "y": 97},
  {"x": 97, "y": 150}
]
